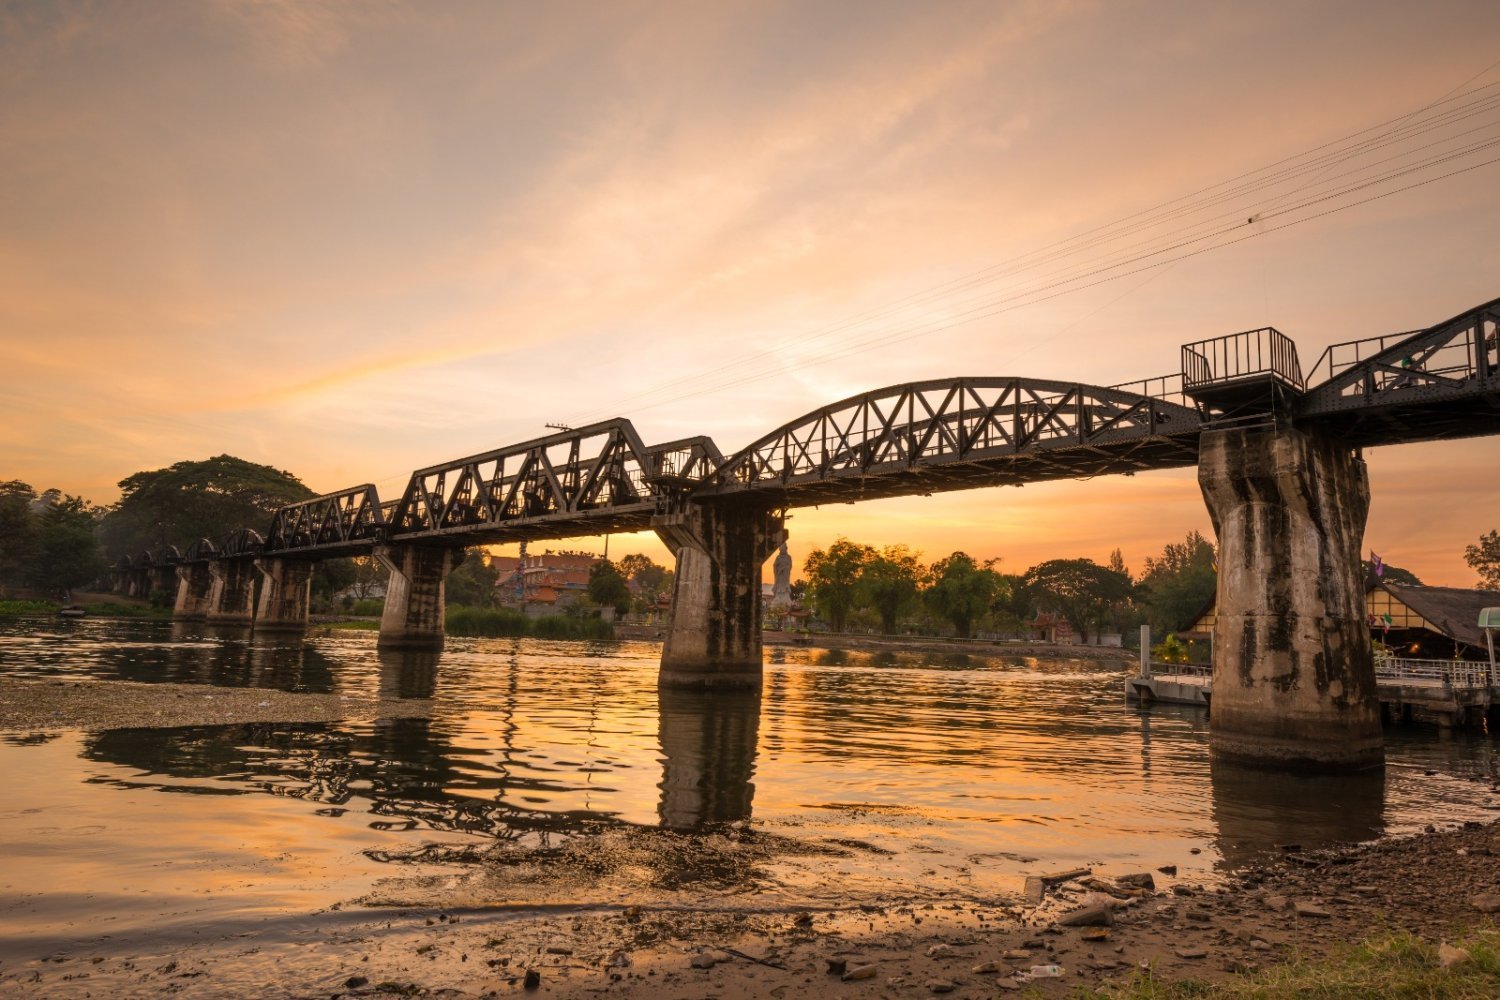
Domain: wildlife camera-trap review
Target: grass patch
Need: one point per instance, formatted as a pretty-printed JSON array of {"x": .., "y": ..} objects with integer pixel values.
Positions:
[
  {"x": 12, "y": 609},
  {"x": 1397, "y": 967},
  {"x": 504, "y": 623}
]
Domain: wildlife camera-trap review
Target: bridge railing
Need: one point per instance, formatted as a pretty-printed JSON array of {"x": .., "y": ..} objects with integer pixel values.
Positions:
[
  {"x": 1167, "y": 388},
  {"x": 1244, "y": 355},
  {"x": 1452, "y": 352},
  {"x": 1455, "y": 359},
  {"x": 1459, "y": 674}
]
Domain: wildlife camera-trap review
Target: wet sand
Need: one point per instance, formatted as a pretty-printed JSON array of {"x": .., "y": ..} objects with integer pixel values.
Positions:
[{"x": 47, "y": 703}]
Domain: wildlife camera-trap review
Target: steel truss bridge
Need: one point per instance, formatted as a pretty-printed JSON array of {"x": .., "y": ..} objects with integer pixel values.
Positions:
[{"x": 919, "y": 438}]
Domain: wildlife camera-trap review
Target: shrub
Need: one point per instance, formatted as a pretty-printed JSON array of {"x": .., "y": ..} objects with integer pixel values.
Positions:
[{"x": 505, "y": 623}]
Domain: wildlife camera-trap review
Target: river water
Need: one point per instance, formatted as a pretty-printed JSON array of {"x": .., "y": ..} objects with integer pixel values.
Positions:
[{"x": 944, "y": 777}]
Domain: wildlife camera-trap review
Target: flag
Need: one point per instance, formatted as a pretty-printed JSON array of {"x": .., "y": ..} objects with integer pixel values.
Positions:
[{"x": 1376, "y": 565}]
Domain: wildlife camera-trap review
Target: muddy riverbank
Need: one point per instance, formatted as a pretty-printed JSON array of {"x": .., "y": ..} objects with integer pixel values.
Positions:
[{"x": 449, "y": 927}]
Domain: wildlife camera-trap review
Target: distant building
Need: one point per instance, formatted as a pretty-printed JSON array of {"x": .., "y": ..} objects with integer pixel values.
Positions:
[
  {"x": 1440, "y": 623},
  {"x": 544, "y": 584}
]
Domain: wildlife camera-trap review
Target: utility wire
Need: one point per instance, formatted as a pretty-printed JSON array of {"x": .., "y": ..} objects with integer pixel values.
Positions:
[{"x": 1333, "y": 153}]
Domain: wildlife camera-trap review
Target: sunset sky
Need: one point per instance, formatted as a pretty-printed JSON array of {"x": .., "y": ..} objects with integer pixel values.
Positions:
[{"x": 352, "y": 239}]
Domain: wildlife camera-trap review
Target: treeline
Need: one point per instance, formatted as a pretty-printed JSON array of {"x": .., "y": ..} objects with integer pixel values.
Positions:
[
  {"x": 891, "y": 590},
  {"x": 48, "y": 541}
]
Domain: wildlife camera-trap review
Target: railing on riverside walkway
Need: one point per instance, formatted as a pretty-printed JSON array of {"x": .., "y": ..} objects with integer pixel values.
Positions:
[
  {"x": 1460, "y": 674},
  {"x": 1159, "y": 669}
]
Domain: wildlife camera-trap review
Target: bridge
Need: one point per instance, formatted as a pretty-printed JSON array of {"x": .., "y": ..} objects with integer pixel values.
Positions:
[{"x": 1278, "y": 454}]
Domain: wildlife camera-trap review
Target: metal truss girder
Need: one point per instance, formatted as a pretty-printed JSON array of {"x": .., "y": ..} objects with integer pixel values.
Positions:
[
  {"x": 1446, "y": 364},
  {"x": 948, "y": 422},
  {"x": 350, "y": 515}
]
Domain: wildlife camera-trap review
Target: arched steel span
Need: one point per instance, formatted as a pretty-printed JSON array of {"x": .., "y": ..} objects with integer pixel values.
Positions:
[{"x": 960, "y": 433}]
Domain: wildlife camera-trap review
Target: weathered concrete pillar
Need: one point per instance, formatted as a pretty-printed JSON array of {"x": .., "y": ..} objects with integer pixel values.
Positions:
[
  {"x": 286, "y": 587},
  {"x": 714, "y": 637},
  {"x": 194, "y": 585},
  {"x": 1294, "y": 676},
  {"x": 414, "y": 600},
  {"x": 231, "y": 596},
  {"x": 708, "y": 744}
]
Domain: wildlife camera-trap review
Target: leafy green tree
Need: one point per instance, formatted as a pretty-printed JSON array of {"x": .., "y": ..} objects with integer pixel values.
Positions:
[
  {"x": 962, "y": 591},
  {"x": 647, "y": 579},
  {"x": 191, "y": 500},
  {"x": 833, "y": 579},
  {"x": 607, "y": 587},
  {"x": 889, "y": 582},
  {"x": 1082, "y": 591},
  {"x": 1180, "y": 584},
  {"x": 67, "y": 552},
  {"x": 471, "y": 583},
  {"x": 330, "y": 576},
  {"x": 18, "y": 532},
  {"x": 1484, "y": 559}
]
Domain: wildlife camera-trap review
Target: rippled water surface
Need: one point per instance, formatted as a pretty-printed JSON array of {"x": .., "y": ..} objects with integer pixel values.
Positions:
[{"x": 947, "y": 775}]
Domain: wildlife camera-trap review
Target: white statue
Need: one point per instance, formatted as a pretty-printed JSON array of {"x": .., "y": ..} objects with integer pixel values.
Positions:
[{"x": 781, "y": 589}]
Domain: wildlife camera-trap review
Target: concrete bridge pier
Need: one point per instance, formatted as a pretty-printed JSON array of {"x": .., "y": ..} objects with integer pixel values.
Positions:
[
  {"x": 231, "y": 594},
  {"x": 414, "y": 598},
  {"x": 194, "y": 584},
  {"x": 286, "y": 588},
  {"x": 714, "y": 640},
  {"x": 1294, "y": 675}
]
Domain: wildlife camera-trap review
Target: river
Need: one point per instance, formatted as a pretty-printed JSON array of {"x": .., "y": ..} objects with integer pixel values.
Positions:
[{"x": 936, "y": 777}]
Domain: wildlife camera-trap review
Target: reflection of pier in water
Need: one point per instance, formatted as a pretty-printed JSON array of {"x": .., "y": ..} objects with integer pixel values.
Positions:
[
  {"x": 1255, "y": 809},
  {"x": 708, "y": 743}
]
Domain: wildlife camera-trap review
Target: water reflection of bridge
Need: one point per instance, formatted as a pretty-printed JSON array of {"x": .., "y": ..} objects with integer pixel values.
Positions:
[{"x": 418, "y": 772}]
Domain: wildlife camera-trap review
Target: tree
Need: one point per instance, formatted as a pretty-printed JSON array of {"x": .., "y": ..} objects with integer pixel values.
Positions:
[
  {"x": 330, "y": 576},
  {"x": 67, "y": 552},
  {"x": 18, "y": 532},
  {"x": 1484, "y": 559},
  {"x": 1180, "y": 584},
  {"x": 832, "y": 578},
  {"x": 962, "y": 591},
  {"x": 889, "y": 582},
  {"x": 1081, "y": 590},
  {"x": 191, "y": 500},
  {"x": 607, "y": 587},
  {"x": 472, "y": 582},
  {"x": 370, "y": 575},
  {"x": 647, "y": 579}
]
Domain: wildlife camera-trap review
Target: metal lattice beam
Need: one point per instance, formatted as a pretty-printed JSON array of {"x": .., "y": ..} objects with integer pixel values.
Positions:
[
  {"x": 1442, "y": 382},
  {"x": 958, "y": 434}
]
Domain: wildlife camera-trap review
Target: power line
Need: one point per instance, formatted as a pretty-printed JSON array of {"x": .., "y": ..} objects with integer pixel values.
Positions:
[{"x": 978, "y": 307}]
